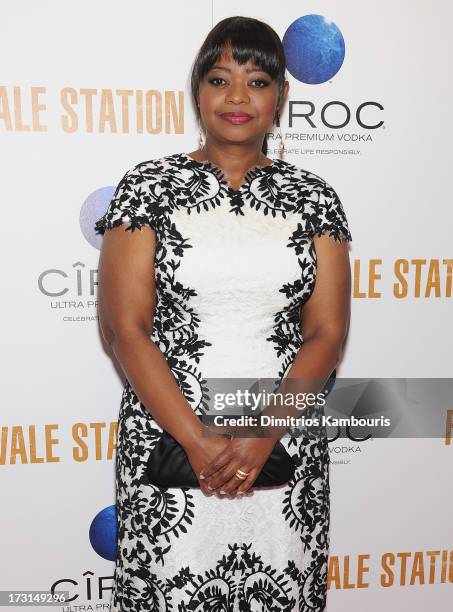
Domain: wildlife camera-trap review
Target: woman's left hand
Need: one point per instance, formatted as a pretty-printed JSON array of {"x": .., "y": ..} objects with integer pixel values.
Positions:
[{"x": 245, "y": 454}]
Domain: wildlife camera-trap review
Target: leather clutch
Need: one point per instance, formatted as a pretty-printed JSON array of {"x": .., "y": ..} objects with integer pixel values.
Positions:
[{"x": 168, "y": 466}]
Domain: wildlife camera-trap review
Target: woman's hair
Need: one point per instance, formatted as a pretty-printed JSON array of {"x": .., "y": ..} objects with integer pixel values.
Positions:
[{"x": 250, "y": 39}]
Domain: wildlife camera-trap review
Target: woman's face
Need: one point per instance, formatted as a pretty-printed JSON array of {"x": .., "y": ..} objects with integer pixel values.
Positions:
[{"x": 237, "y": 103}]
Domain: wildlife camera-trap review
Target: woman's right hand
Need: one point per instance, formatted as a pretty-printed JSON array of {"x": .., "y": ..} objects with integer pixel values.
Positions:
[{"x": 203, "y": 452}]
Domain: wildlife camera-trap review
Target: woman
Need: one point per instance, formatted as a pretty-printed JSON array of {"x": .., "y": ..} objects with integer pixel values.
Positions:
[{"x": 212, "y": 286}]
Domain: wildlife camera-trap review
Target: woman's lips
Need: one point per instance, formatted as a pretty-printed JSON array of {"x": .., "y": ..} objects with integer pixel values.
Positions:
[{"x": 236, "y": 118}]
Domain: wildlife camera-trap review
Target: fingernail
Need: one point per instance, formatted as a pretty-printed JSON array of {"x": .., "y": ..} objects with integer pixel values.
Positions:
[
  {"x": 201, "y": 476},
  {"x": 222, "y": 492},
  {"x": 239, "y": 493},
  {"x": 210, "y": 488}
]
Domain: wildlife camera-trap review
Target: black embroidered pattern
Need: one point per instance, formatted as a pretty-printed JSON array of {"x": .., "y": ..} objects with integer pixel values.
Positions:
[
  {"x": 177, "y": 550},
  {"x": 240, "y": 580}
]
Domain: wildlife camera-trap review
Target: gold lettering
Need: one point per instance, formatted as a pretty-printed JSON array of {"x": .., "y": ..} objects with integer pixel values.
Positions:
[
  {"x": 401, "y": 267},
  {"x": 50, "y": 441},
  {"x": 357, "y": 293},
  {"x": 18, "y": 445},
  {"x": 5, "y": 113},
  {"x": 107, "y": 111},
  {"x": 153, "y": 108},
  {"x": 433, "y": 281},
  {"x": 172, "y": 113},
  {"x": 373, "y": 277},
  {"x": 79, "y": 431},
  {"x": 448, "y": 284},
  {"x": 88, "y": 93},
  {"x": 36, "y": 108},
  {"x": 69, "y": 123},
  {"x": 124, "y": 95},
  {"x": 18, "y": 124}
]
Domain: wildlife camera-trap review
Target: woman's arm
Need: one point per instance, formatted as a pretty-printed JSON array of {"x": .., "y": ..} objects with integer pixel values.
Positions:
[{"x": 127, "y": 300}]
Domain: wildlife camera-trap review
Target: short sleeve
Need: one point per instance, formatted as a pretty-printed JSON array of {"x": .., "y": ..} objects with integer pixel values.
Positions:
[
  {"x": 133, "y": 202},
  {"x": 330, "y": 217}
]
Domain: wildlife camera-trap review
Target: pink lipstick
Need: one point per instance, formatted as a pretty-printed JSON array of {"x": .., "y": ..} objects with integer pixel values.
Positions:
[{"x": 236, "y": 118}]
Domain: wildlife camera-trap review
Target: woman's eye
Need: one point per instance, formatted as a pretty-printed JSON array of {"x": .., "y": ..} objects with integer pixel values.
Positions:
[
  {"x": 260, "y": 83},
  {"x": 214, "y": 80},
  {"x": 256, "y": 83}
]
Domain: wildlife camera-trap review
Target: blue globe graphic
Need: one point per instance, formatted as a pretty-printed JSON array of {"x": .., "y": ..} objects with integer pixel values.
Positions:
[
  {"x": 314, "y": 49},
  {"x": 92, "y": 209},
  {"x": 103, "y": 533}
]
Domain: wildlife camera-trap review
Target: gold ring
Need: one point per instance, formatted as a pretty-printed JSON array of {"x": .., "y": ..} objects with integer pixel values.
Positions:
[{"x": 242, "y": 475}]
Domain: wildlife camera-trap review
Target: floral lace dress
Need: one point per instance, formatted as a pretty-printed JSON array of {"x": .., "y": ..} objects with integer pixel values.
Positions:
[{"x": 233, "y": 268}]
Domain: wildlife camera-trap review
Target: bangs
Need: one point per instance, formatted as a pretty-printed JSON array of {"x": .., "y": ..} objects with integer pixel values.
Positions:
[{"x": 248, "y": 39}]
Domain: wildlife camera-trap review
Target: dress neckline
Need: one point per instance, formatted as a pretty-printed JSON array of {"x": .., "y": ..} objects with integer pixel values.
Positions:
[{"x": 251, "y": 173}]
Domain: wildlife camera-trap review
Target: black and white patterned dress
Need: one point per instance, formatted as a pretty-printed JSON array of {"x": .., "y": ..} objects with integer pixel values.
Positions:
[{"x": 233, "y": 268}]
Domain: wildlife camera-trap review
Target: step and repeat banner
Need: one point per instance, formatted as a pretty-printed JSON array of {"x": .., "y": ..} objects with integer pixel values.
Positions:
[{"x": 88, "y": 90}]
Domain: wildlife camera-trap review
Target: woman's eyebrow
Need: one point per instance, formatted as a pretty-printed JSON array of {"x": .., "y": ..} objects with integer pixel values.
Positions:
[{"x": 225, "y": 69}]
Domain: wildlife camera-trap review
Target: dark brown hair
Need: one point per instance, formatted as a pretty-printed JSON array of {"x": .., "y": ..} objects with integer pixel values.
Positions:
[{"x": 250, "y": 39}]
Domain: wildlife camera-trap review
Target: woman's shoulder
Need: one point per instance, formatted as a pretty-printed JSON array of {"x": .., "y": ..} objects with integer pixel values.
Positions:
[
  {"x": 320, "y": 200},
  {"x": 139, "y": 196},
  {"x": 157, "y": 166},
  {"x": 305, "y": 178}
]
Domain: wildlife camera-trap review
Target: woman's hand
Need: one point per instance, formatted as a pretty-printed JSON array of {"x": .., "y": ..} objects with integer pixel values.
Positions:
[
  {"x": 201, "y": 454},
  {"x": 245, "y": 454}
]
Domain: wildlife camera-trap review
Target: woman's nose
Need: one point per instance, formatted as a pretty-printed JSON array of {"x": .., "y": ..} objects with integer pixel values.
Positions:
[{"x": 237, "y": 93}]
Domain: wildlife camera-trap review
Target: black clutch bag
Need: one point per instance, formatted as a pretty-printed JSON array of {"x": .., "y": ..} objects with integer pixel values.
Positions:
[{"x": 168, "y": 466}]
